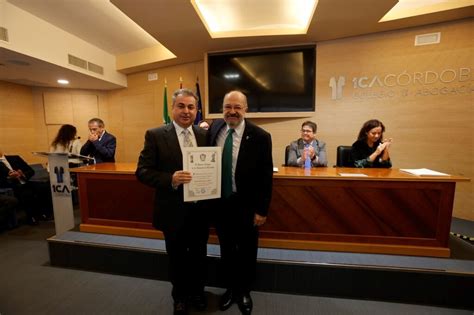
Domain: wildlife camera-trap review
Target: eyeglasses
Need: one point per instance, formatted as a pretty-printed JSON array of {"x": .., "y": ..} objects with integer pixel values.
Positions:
[
  {"x": 306, "y": 130},
  {"x": 235, "y": 107}
]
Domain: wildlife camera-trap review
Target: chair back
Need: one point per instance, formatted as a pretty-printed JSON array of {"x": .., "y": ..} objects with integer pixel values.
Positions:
[
  {"x": 41, "y": 173},
  {"x": 344, "y": 156},
  {"x": 287, "y": 153}
]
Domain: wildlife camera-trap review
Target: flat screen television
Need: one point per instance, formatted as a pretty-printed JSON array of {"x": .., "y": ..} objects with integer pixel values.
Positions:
[{"x": 278, "y": 82}]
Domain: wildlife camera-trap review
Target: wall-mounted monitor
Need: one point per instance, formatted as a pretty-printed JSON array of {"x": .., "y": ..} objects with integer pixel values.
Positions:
[{"x": 278, "y": 82}]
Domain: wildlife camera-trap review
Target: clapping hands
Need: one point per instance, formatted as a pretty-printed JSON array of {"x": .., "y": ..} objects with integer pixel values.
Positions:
[
  {"x": 309, "y": 151},
  {"x": 384, "y": 145}
]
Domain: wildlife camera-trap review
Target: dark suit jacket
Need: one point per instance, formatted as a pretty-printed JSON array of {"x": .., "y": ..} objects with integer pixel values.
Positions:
[
  {"x": 17, "y": 163},
  {"x": 160, "y": 158},
  {"x": 360, "y": 153},
  {"x": 103, "y": 150},
  {"x": 254, "y": 169}
]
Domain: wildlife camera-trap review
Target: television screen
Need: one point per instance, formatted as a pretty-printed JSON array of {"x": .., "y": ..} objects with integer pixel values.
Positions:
[{"x": 274, "y": 80}]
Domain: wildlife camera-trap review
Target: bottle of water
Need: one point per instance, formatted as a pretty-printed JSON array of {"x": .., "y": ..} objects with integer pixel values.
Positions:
[{"x": 307, "y": 161}]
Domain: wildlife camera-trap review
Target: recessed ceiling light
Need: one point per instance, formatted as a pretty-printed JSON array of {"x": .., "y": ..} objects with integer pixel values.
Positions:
[
  {"x": 231, "y": 18},
  {"x": 408, "y": 8},
  {"x": 63, "y": 81}
]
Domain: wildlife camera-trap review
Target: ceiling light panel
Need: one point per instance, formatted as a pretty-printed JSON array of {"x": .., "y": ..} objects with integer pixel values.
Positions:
[
  {"x": 239, "y": 18},
  {"x": 408, "y": 8}
]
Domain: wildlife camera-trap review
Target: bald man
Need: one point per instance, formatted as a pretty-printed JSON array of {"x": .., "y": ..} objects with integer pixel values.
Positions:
[{"x": 246, "y": 192}]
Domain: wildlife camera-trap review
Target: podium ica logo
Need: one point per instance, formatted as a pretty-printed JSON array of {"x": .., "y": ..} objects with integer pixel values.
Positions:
[{"x": 60, "y": 188}]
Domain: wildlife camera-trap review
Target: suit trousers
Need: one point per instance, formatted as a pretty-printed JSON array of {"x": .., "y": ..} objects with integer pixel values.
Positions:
[
  {"x": 238, "y": 238},
  {"x": 186, "y": 247},
  {"x": 26, "y": 196}
]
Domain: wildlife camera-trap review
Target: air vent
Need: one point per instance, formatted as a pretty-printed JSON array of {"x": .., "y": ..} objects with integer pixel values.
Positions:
[
  {"x": 427, "y": 39},
  {"x": 3, "y": 34},
  {"x": 78, "y": 62},
  {"x": 95, "y": 68}
]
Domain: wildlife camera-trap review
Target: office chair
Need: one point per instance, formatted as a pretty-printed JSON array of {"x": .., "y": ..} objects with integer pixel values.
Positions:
[
  {"x": 344, "y": 156},
  {"x": 41, "y": 173},
  {"x": 287, "y": 153}
]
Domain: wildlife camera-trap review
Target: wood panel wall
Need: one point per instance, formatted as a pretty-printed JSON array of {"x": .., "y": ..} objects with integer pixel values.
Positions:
[{"x": 431, "y": 123}]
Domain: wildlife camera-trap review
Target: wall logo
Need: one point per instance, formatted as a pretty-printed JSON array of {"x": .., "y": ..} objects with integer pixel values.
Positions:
[
  {"x": 456, "y": 81},
  {"x": 336, "y": 87}
]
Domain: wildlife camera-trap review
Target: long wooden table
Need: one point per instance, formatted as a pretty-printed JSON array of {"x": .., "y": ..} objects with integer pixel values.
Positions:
[{"x": 387, "y": 211}]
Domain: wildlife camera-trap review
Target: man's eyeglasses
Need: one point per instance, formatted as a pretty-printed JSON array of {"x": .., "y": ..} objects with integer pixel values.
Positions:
[
  {"x": 306, "y": 130},
  {"x": 230, "y": 107}
]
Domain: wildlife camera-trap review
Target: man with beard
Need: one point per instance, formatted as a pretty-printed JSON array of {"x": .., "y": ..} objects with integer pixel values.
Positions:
[
  {"x": 247, "y": 171},
  {"x": 184, "y": 225}
]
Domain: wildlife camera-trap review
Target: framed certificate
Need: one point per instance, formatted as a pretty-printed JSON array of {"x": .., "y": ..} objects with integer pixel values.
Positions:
[{"x": 205, "y": 165}]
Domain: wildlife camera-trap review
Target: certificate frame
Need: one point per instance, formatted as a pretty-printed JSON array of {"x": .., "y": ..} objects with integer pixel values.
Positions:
[{"x": 205, "y": 165}]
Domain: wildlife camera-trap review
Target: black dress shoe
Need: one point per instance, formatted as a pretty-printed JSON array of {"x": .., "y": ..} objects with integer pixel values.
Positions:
[
  {"x": 199, "y": 301},
  {"x": 226, "y": 300},
  {"x": 245, "y": 304},
  {"x": 180, "y": 308}
]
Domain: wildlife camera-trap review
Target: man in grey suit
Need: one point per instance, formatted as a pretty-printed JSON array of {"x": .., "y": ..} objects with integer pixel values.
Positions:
[
  {"x": 184, "y": 224},
  {"x": 247, "y": 174},
  {"x": 307, "y": 149}
]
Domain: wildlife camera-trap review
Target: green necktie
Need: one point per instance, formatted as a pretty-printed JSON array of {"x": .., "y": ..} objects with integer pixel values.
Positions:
[{"x": 227, "y": 165}]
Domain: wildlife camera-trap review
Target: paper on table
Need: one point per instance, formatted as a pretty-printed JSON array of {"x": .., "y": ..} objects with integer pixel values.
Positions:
[
  {"x": 352, "y": 175},
  {"x": 422, "y": 172}
]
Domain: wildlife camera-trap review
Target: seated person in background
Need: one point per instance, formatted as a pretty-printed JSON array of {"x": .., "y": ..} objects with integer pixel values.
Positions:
[
  {"x": 101, "y": 144},
  {"x": 307, "y": 147},
  {"x": 66, "y": 141},
  {"x": 35, "y": 198},
  {"x": 370, "y": 150},
  {"x": 8, "y": 206}
]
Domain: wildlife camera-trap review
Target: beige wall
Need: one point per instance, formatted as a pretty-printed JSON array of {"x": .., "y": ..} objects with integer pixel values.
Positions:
[
  {"x": 430, "y": 119},
  {"x": 18, "y": 120},
  {"x": 30, "y": 117},
  {"x": 139, "y": 107}
]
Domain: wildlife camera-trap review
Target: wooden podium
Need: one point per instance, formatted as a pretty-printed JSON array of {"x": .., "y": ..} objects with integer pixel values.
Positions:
[{"x": 387, "y": 211}]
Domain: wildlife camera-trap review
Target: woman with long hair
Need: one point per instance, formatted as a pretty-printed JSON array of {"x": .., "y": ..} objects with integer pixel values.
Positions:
[
  {"x": 66, "y": 141},
  {"x": 371, "y": 149}
]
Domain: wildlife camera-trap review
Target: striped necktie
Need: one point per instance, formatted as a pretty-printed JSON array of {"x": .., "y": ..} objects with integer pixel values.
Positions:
[{"x": 187, "y": 139}]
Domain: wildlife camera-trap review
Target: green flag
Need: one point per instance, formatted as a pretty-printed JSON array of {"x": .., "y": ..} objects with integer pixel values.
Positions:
[{"x": 166, "y": 117}]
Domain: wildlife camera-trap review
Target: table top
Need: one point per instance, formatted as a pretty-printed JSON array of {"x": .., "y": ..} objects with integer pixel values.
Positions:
[{"x": 322, "y": 173}]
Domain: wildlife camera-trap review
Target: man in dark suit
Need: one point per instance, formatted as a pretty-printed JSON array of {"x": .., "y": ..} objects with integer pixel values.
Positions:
[
  {"x": 184, "y": 224},
  {"x": 247, "y": 171},
  {"x": 15, "y": 173},
  {"x": 100, "y": 145}
]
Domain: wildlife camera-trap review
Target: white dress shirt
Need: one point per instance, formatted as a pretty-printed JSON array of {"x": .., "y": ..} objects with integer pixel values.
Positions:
[{"x": 180, "y": 134}]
